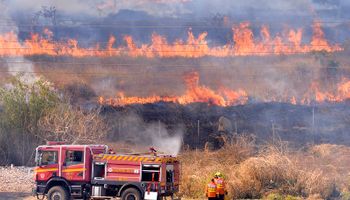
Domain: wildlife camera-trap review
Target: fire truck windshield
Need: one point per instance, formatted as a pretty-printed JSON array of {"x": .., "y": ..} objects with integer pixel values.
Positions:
[{"x": 46, "y": 158}]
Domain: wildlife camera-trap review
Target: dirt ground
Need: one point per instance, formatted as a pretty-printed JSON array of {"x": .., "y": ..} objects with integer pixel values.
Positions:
[{"x": 16, "y": 183}]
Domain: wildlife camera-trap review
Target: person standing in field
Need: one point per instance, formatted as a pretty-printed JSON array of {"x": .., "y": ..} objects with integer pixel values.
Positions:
[
  {"x": 220, "y": 186},
  {"x": 210, "y": 190}
]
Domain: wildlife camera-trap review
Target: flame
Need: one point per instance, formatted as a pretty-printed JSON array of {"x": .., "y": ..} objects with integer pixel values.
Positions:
[
  {"x": 245, "y": 43},
  {"x": 315, "y": 94},
  {"x": 293, "y": 100},
  {"x": 194, "y": 93}
]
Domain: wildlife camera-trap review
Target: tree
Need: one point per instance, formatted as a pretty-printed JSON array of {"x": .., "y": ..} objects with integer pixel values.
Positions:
[
  {"x": 66, "y": 123},
  {"x": 23, "y": 104},
  {"x": 33, "y": 113}
]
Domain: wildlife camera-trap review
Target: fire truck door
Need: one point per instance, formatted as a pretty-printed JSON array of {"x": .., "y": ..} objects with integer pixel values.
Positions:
[
  {"x": 47, "y": 164},
  {"x": 74, "y": 168}
]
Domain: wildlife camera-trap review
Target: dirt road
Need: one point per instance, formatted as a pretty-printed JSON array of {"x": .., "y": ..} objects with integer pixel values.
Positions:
[
  {"x": 16, "y": 183},
  {"x": 16, "y": 196}
]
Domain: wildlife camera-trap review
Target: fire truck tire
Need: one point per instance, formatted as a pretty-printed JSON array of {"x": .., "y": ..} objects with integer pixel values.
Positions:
[
  {"x": 58, "y": 193},
  {"x": 131, "y": 194}
]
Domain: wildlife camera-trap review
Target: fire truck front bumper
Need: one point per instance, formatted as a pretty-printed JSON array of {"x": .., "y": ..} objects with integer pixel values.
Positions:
[{"x": 38, "y": 190}]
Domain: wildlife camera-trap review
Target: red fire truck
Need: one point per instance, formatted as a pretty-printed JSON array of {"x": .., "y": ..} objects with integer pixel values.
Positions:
[{"x": 93, "y": 171}]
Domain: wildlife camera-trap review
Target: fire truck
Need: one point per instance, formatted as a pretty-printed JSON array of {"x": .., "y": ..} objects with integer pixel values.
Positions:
[{"x": 65, "y": 172}]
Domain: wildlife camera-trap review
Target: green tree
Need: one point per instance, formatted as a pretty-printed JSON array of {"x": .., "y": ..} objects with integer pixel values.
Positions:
[{"x": 23, "y": 104}]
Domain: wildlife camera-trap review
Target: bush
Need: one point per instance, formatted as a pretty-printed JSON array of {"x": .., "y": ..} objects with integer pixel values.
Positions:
[
  {"x": 32, "y": 113},
  {"x": 290, "y": 197},
  {"x": 279, "y": 172},
  {"x": 66, "y": 123},
  {"x": 270, "y": 170},
  {"x": 345, "y": 195},
  {"x": 23, "y": 104},
  {"x": 198, "y": 167},
  {"x": 274, "y": 196}
]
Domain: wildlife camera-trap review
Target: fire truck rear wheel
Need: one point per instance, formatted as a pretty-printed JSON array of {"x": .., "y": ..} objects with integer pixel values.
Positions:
[
  {"x": 57, "y": 193},
  {"x": 131, "y": 194}
]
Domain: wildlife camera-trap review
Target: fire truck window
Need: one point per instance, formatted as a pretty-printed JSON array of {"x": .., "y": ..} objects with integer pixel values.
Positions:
[
  {"x": 169, "y": 176},
  {"x": 74, "y": 157},
  {"x": 150, "y": 173},
  {"x": 170, "y": 173},
  {"x": 48, "y": 157}
]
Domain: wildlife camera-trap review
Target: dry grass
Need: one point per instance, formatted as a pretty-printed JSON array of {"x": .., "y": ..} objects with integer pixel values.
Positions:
[
  {"x": 198, "y": 167},
  {"x": 271, "y": 172}
]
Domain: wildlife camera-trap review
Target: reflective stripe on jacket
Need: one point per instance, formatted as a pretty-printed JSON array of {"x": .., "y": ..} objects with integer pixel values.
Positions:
[
  {"x": 211, "y": 190},
  {"x": 220, "y": 185}
]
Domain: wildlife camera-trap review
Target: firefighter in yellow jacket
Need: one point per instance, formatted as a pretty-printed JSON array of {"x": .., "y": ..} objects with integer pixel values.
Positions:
[
  {"x": 220, "y": 186},
  {"x": 210, "y": 190}
]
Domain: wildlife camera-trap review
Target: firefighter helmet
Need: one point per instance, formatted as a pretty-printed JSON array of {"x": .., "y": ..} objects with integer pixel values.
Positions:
[{"x": 218, "y": 174}]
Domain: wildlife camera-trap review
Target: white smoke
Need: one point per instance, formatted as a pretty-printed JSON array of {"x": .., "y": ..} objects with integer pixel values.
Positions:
[
  {"x": 18, "y": 65},
  {"x": 22, "y": 66},
  {"x": 134, "y": 130},
  {"x": 162, "y": 140},
  {"x": 103, "y": 7},
  {"x": 175, "y": 8}
]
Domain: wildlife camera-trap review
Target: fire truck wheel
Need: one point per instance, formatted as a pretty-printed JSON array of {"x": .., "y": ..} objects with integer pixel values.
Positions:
[
  {"x": 57, "y": 193},
  {"x": 131, "y": 194}
]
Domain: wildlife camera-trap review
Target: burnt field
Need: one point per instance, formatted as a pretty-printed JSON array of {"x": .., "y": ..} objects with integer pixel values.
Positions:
[
  {"x": 268, "y": 112},
  {"x": 262, "y": 77},
  {"x": 202, "y": 123}
]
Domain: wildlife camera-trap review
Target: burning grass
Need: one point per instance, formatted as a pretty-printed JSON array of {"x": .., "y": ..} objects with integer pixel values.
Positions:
[
  {"x": 245, "y": 44},
  {"x": 270, "y": 171}
]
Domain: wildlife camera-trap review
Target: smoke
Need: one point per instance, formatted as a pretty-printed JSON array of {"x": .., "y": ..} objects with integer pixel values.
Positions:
[
  {"x": 103, "y": 7},
  {"x": 132, "y": 129},
  {"x": 22, "y": 66},
  {"x": 19, "y": 64},
  {"x": 190, "y": 8}
]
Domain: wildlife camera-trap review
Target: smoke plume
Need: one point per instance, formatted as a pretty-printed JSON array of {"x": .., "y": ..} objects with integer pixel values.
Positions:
[{"x": 131, "y": 128}]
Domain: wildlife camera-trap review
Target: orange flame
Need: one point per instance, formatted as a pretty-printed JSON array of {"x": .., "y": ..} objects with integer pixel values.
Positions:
[
  {"x": 245, "y": 44},
  {"x": 315, "y": 94},
  {"x": 194, "y": 93}
]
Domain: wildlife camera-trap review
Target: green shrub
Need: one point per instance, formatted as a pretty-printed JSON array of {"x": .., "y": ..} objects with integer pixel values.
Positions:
[
  {"x": 345, "y": 195},
  {"x": 290, "y": 197},
  {"x": 274, "y": 196}
]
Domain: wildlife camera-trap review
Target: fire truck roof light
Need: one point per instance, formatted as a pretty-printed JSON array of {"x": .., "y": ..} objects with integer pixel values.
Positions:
[{"x": 56, "y": 142}]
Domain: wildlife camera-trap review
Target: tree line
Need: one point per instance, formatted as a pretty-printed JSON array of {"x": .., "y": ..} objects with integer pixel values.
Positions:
[{"x": 34, "y": 112}]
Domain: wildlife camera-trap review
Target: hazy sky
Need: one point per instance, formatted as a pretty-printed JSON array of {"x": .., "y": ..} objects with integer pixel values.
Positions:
[{"x": 176, "y": 8}]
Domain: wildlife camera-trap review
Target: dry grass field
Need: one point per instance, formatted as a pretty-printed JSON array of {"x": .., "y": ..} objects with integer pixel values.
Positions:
[{"x": 273, "y": 171}]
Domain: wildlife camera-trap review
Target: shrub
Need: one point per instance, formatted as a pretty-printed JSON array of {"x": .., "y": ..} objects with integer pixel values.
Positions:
[
  {"x": 274, "y": 196},
  {"x": 23, "y": 104},
  {"x": 345, "y": 195}
]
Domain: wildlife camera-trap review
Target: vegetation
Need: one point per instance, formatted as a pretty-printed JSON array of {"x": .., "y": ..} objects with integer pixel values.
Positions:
[
  {"x": 269, "y": 171},
  {"x": 65, "y": 123},
  {"x": 32, "y": 113}
]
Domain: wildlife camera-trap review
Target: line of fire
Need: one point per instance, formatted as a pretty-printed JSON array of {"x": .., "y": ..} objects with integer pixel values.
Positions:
[{"x": 155, "y": 99}]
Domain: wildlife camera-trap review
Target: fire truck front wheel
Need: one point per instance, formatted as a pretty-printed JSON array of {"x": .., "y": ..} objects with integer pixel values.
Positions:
[
  {"x": 131, "y": 194},
  {"x": 57, "y": 193}
]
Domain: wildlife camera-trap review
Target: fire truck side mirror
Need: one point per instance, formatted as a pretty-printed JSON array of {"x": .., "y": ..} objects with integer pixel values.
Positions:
[{"x": 39, "y": 158}]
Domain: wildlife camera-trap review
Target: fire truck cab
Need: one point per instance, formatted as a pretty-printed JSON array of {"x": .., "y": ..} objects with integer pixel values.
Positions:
[{"x": 91, "y": 171}]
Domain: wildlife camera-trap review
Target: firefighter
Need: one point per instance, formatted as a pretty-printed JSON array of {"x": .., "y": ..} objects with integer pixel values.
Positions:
[
  {"x": 210, "y": 190},
  {"x": 220, "y": 186}
]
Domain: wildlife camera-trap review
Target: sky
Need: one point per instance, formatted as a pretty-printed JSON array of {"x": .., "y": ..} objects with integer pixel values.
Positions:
[
  {"x": 178, "y": 8},
  {"x": 277, "y": 14}
]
